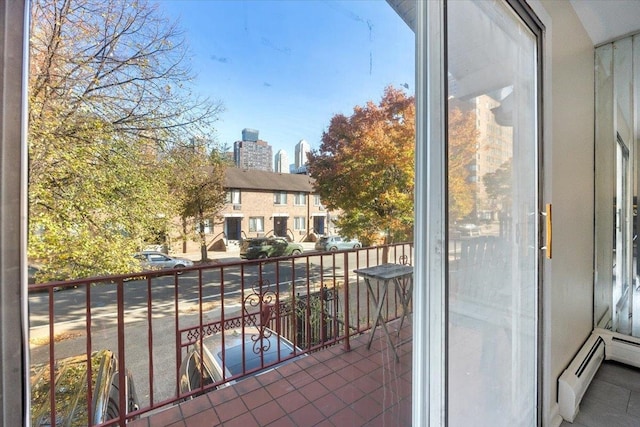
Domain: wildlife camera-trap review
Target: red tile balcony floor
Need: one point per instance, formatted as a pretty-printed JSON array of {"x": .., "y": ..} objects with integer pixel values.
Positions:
[{"x": 327, "y": 388}]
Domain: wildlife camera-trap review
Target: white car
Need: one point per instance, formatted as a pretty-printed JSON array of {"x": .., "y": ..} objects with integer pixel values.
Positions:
[
  {"x": 154, "y": 260},
  {"x": 468, "y": 229},
  {"x": 334, "y": 243}
]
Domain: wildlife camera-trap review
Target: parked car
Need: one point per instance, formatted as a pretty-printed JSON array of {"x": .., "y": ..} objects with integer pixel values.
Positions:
[
  {"x": 33, "y": 271},
  {"x": 154, "y": 260},
  {"x": 268, "y": 247},
  {"x": 468, "y": 229},
  {"x": 71, "y": 391},
  {"x": 245, "y": 351},
  {"x": 334, "y": 243}
]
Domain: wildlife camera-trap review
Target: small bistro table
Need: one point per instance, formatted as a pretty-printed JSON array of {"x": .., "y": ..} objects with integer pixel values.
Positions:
[{"x": 402, "y": 276}]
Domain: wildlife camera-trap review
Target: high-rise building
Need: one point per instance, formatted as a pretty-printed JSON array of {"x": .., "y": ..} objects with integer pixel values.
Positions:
[
  {"x": 302, "y": 148},
  {"x": 250, "y": 135},
  {"x": 494, "y": 148},
  {"x": 282, "y": 162},
  {"x": 252, "y": 152}
]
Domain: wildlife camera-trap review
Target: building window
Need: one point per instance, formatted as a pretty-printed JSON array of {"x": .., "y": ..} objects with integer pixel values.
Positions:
[
  {"x": 316, "y": 200},
  {"x": 299, "y": 223},
  {"x": 233, "y": 197},
  {"x": 280, "y": 198},
  {"x": 256, "y": 224},
  {"x": 206, "y": 226},
  {"x": 300, "y": 199}
]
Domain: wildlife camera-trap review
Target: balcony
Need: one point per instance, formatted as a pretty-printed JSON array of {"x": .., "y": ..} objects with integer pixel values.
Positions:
[
  {"x": 154, "y": 321},
  {"x": 329, "y": 387}
]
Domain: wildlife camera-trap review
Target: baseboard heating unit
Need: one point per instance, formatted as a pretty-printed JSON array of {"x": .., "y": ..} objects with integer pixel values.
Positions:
[{"x": 574, "y": 381}]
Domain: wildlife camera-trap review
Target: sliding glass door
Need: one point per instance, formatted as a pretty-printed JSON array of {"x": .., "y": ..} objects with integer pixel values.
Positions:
[{"x": 493, "y": 213}]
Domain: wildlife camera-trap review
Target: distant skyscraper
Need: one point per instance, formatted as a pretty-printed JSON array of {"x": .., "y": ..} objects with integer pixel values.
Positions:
[
  {"x": 302, "y": 148},
  {"x": 252, "y": 152},
  {"x": 282, "y": 162},
  {"x": 250, "y": 135}
]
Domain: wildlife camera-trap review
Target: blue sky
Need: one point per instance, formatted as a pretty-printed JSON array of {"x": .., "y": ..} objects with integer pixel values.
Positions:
[{"x": 286, "y": 67}]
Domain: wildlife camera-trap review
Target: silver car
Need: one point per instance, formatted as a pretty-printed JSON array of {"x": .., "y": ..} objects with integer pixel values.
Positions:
[
  {"x": 245, "y": 352},
  {"x": 154, "y": 260},
  {"x": 71, "y": 392},
  {"x": 334, "y": 243}
]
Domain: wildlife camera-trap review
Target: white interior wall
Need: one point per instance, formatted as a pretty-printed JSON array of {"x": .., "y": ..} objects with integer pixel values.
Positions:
[{"x": 569, "y": 180}]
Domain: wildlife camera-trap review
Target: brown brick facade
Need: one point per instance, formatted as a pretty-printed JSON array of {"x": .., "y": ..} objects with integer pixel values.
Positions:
[
  {"x": 261, "y": 204},
  {"x": 300, "y": 218}
]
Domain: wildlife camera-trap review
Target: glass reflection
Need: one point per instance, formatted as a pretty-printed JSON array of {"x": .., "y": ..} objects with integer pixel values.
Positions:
[
  {"x": 616, "y": 185},
  {"x": 492, "y": 184}
]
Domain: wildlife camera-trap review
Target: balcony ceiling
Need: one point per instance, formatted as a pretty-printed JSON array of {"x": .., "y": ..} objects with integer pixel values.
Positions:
[{"x": 604, "y": 20}]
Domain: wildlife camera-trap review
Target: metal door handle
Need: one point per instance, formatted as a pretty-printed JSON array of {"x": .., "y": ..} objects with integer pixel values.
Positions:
[{"x": 548, "y": 230}]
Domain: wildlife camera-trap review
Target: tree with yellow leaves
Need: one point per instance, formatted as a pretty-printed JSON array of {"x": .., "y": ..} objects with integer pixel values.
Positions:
[
  {"x": 462, "y": 139},
  {"x": 365, "y": 168},
  {"x": 109, "y": 94}
]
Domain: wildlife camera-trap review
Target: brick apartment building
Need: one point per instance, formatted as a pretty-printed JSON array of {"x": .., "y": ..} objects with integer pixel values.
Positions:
[{"x": 261, "y": 203}]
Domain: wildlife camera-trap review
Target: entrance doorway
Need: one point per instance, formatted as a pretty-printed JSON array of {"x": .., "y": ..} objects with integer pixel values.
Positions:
[
  {"x": 280, "y": 226},
  {"x": 233, "y": 228},
  {"x": 318, "y": 224}
]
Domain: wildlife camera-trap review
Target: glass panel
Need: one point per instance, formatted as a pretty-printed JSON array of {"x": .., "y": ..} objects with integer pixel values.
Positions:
[
  {"x": 622, "y": 297},
  {"x": 604, "y": 189},
  {"x": 621, "y": 294},
  {"x": 256, "y": 76},
  {"x": 616, "y": 188},
  {"x": 635, "y": 177},
  {"x": 492, "y": 209}
]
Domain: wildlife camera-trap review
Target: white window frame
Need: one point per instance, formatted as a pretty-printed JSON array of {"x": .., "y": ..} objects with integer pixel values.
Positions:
[
  {"x": 296, "y": 223},
  {"x": 429, "y": 379},
  {"x": 256, "y": 224},
  {"x": 208, "y": 226},
  {"x": 14, "y": 386},
  {"x": 300, "y": 199},
  {"x": 234, "y": 196},
  {"x": 429, "y": 332},
  {"x": 280, "y": 198}
]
